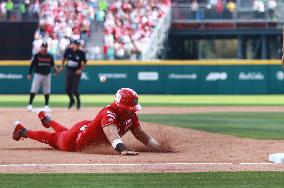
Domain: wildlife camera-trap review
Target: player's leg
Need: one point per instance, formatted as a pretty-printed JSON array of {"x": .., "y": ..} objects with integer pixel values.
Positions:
[
  {"x": 46, "y": 90},
  {"x": 21, "y": 132},
  {"x": 68, "y": 88},
  {"x": 34, "y": 89},
  {"x": 76, "y": 81},
  {"x": 47, "y": 122}
]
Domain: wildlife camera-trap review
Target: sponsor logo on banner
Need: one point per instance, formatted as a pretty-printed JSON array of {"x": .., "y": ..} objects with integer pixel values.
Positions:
[
  {"x": 85, "y": 76},
  {"x": 251, "y": 76},
  {"x": 280, "y": 75},
  {"x": 214, "y": 76},
  {"x": 11, "y": 76},
  {"x": 113, "y": 75},
  {"x": 174, "y": 76},
  {"x": 148, "y": 76}
]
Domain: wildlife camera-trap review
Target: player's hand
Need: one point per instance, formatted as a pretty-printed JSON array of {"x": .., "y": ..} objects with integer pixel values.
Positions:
[
  {"x": 128, "y": 152},
  {"x": 61, "y": 69},
  {"x": 29, "y": 76},
  {"x": 78, "y": 72},
  {"x": 56, "y": 70}
]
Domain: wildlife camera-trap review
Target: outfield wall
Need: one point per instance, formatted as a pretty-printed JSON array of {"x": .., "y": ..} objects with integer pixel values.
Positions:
[{"x": 161, "y": 77}]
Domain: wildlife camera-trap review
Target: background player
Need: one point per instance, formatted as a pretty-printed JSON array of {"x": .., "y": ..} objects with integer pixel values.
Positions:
[
  {"x": 110, "y": 124},
  {"x": 76, "y": 62},
  {"x": 41, "y": 64}
]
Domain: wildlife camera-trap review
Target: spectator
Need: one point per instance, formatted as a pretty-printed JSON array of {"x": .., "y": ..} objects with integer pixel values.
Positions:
[
  {"x": 194, "y": 8},
  {"x": 231, "y": 7},
  {"x": 36, "y": 9},
  {"x": 271, "y": 4},
  {"x": 37, "y": 44},
  {"x": 23, "y": 10},
  {"x": 100, "y": 17},
  {"x": 220, "y": 8},
  {"x": 54, "y": 47},
  {"x": 97, "y": 53},
  {"x": 110, "y": 52},
  {"x": 103, "y": 5},
  {"x": 213, "y": 3},
  {"x": 9, "y": 9},
  {"x": 3, "y": 10},
  {"x": 258, "y": 9}
]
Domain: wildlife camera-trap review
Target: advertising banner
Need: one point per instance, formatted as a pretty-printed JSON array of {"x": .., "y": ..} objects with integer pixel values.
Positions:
[{"x": 160, "y": 79}]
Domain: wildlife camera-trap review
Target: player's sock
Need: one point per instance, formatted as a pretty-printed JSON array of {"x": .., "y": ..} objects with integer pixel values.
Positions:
[
  {"x": 46, "y": 97},
  {"x": 78, "y": 101},
  {"x": 32, "y": 96},
  {"x": 56, "y": 126},
  {"x": 41, "y": 136}
]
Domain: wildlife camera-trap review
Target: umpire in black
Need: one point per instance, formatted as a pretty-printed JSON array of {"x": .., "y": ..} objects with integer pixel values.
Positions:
[
  {"x": 76, "y": 62},
  {"x": 41, "y": 65}
]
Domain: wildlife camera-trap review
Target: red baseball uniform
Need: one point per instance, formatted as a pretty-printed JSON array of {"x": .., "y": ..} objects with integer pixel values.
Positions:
[{"x": 84, "y": 133}]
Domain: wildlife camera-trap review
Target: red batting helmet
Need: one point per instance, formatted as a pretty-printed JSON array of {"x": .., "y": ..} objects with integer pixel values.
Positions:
[{"x": 127, "y": 98}]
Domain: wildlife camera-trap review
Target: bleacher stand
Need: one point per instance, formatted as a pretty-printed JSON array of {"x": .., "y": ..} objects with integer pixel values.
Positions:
[
  {"x": 63, "y": 21},
  {"x": 128, "y": 27}
]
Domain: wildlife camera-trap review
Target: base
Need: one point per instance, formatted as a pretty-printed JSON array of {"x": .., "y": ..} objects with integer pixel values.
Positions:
[{"x": 277, "y": 158}]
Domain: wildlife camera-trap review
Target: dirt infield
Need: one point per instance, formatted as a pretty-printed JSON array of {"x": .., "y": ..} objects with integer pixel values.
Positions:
[{"x": 194, "y": 150}]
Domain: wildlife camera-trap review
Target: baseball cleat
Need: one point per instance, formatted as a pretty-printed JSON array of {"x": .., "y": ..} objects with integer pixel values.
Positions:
[
  {"x": 46, "y": 108},
  {"x": 18, "y": 128},
  {"x": 44, "y": 118},
  {"x": 71, "y": 103},
  {"x": 30, "y": 108}
]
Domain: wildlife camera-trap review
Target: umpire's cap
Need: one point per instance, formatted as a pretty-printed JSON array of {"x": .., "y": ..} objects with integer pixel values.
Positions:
[{"x": 44, "y": 44}]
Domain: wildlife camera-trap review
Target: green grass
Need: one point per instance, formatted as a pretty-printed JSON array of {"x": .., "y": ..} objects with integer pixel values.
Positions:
[
  {"x": 177, "y": 180},
  {"x": 154, "y": 100},
  {"x": 251, "y": 125}
]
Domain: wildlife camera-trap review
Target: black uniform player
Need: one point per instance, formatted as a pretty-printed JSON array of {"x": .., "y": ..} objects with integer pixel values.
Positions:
[
  {"x": 41, "y": 64},
  {"x": 76, "y": 62}
]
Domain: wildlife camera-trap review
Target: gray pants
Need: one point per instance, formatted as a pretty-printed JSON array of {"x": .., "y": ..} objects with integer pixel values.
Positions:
[{"x": 41, "y": 80}]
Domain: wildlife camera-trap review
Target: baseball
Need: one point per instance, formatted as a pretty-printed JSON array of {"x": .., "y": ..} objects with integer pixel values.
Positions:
[{"x": 102, "y": 78}]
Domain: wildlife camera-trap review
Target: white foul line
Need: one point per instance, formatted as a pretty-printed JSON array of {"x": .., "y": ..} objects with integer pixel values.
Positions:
[{"x": 127, "y": 165}]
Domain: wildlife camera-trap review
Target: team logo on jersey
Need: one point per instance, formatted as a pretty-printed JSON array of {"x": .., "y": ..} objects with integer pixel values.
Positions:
[{"x": 111, "y": 116}]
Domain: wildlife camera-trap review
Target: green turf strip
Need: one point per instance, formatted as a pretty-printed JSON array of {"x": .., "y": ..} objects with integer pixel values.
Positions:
[
  {"x": 176, "y": 180},
  {"x": 251, "y": 125},
  {"x": 153, "y": 100}
]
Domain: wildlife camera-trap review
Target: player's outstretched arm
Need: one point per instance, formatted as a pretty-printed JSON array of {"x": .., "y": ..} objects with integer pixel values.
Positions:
[
  {"x": 146, "y": 139},
  {"x": 116, "y": 142}
]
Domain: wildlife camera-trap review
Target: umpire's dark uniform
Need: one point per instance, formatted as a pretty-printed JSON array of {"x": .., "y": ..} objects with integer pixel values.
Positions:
[{"x": 76, "y": 61}]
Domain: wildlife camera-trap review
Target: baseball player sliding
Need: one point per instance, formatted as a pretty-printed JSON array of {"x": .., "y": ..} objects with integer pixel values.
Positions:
[{"x": 110, "y": 124}]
